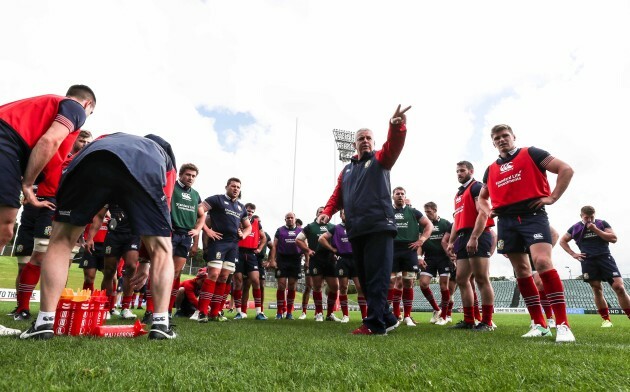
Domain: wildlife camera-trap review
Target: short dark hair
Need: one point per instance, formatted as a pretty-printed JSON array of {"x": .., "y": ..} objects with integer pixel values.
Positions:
[
  {"x": 81, "y": 91},
  {"x": 430, "y": 205},
  {"x": 588, "y": 210},
  {"x": 298, "y": 222},
  {"x": 188, "y": 166},
  {"x": 83, "y": 134},
  {"x": 252, "y": 205},
  {"x": 500, "y": 128},
  {"x": 468, "y": 165},
  {"x": 399, "y": 188},
  {"x": 233, "y": 179}
]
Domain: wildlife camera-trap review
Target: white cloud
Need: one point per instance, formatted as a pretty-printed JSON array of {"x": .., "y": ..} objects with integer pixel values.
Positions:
[{"x": 559, "y": 72}]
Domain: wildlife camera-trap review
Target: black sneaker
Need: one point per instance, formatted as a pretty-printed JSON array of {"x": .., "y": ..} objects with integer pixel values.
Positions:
[
  {"x": 148, "y": 318},
  {"x": 43, "y": 332},
  {"x": 161, "y": 332},
  {"x": 22, "y": 315},
  {"x": 203, "y": 318},
  {"x": 462, "y": 325},
  {"x": 483, "y": 327},
  {"x": 13, "y": 312}
]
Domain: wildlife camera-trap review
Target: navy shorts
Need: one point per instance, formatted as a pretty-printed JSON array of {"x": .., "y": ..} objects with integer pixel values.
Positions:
[
  {"x": 25, "y": 239},
  {"x": 117, "y": 244},
  {"x": 405, "y": 259},
  {"x": 14, "y": 153},
  {"x": 322, "y": 264},
  {"x": 102, "y": 178},
  {"x": 600, "y": 267},
  {"x": 182, "y": 243},
  {"x": 346, "y": 267},
  {"x": 436, "y": 266},
  {"x": 484, "y": 245},
  {"x": 289, "y": 266},
  {"x": 453, "y": 275},
  {"x": 96, "y": 259},
  {"x": 247, "y": 261},
  {"x": 222, "y": 251},
  {"x": 517, "y": 233},
  {"x": 261, "y": 268}
]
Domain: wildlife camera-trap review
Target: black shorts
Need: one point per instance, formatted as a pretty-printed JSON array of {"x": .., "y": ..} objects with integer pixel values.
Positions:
[
  {"x": 117, "y": 244},
  {"x": 94, "y": 260},
  {"x": 453, "y": 274},
  {"x": 405, "y": 259},
  {"x": 247, "y": 261},
  {"x": 600, "y": 267},
  {"x": 484, "y": 245},
  {"x": 102, "y": 178},
  {"x": 346, "y": 267},
  {"x": 24, "y": 241},
  {"x": 289, "y": 266},
  {"x": 182, "y": 243},
  {"x": 323, "y": 264},
  {"x": 518, "y": 233},
  {"x": 14, "y": 153},
  {"x": 222, "y": 251},
  {"x": 437, "y": 266}
]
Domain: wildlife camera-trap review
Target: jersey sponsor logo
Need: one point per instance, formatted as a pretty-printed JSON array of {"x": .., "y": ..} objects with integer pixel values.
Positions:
[
  {"x": 134, "y": 246},
  {"x": 226, "y": 203},
  {"x": 186, "y": 196},
  {"x": 506, "y": 167},
  {"x": 538, "y": 236},
  {"x": 615, "y": 273},
  {"x": 458, "y": 199},
  {"x": 323, "y": 229},
  {"x": 64, "y": 212},
  {"x": 399, "y": 216},
  {"x": 239, "y": 208}
]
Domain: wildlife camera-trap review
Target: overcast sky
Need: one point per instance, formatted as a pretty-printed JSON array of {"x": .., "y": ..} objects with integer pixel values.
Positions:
[{"x": 228, "y": 84}]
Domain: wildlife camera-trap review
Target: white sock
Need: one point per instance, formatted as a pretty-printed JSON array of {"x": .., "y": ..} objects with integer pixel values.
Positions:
[
  {"x": 160, "y": 318},
  {"x": 258, "y": 310},
  {"x": 45, "y": 318}
]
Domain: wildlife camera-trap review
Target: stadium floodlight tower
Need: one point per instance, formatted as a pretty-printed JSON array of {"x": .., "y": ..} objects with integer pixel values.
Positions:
[{"x": 345, "y": 144}]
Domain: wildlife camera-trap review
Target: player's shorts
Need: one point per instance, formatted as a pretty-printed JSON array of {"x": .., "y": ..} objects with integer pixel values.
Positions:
[
  {"x": 226, "y": 251},
  {"x": 289, "y": 266},
  {"x": 82, "y": 194},
  {"x": 247, "y": 261},
  {"x": 405, "y": 259},
  {"x": 600, "y": 267},
  {"x": 182, "y": 243},
  {"x": 14, "y": 153},
  {"x": 117, "y": 244},
  {"x": 436, "y": 266},
  {"x": 346, "y": 267},
  {"x": 96, "y": 259},
  {"x": 25, "y": 239},
  {"x": 322, "y": 264},
  {"x": 484, "y": 245},
  {"x": 453, "y": 273},
  {"x": 186, "y": 309},
  {"x": 517, "y": 233}
]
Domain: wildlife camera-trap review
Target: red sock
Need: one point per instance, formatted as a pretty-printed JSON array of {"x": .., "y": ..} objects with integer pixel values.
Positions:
[
  {"x": 317, "y": 298},
  {"x": 217, "y": 298},
  {"x": 555, "y": 294},
  {"x": 407, "y": 297},
  {"x": 238, "y": 296},
  {"x": 396, "y": 302},
  {"x": 469, "y": 317},
  {"x": 487, "y": 311},
  {"x": 149, "y": 297},
  {"x": 88, "y": 286},
  {"x": 28, "y": 280},
  {"x": 343, "y": 302},
  {"x": 446, "y": 296},
  {"x": 126, "y": 301},
  {"x": 331, "y": 302},
  {"x": 226, "y": 291},
  {"x": 290, "y": 301},
  {"x": 544, "y": 302},
  {"x": 429, "y": 296},
  {"x": 279, "y": 300},
  {"x": 174, "y": 290},
  {"x": 476, "y": 306},
  {"x": 205, "y": 295},
  {"x": 362, "y": 306},
  {"x": 112, "y": 301},
  {"x": 257, "y": 295},
  {"x": 604, "y": 313},
  {"x": 528, "y": 290}
]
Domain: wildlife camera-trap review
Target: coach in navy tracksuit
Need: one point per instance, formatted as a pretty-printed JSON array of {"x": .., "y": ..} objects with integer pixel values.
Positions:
[{"x": 363, "y": 190}]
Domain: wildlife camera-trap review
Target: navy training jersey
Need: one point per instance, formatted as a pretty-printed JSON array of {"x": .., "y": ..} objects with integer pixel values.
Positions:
[{"x": 225, "y": 216}]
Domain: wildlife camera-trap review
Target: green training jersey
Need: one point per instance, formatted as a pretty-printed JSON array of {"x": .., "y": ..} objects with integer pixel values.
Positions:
[{"x": 184, "y": 206}]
